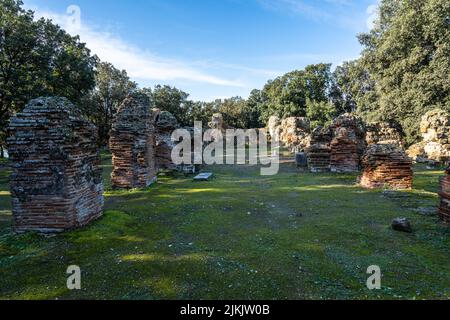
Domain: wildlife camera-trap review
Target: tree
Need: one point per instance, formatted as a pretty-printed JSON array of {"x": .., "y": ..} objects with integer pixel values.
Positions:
[
  {"x": 253, "y": 107},
  {"x": 102, "y": 103},
  {"x": 318, "y": 78},
  {"x": 353, "y": 90},
  {"x": 173, "y": 100},
  {"x": 37, "y": 58},
  {"x": 320, "y": 113},
  {"x": 199, "y": 111},
  {"x": 287, "y": 95},
  {"x": 407, "y": 55}
]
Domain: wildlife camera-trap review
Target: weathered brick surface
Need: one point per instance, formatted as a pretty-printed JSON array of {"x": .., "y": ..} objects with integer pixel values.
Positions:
[
  {"x": 435, "y": 130},
  {"x": 348, "y": 143},
  {"x": 444, "y": 193},
  {"x": 385, "y": 133},
  {"x": 386, "y": 165},
  {"x": 319, "y": 152},
  {"x": 132, "y": 144},
  {"x": 56, "y": 183},
  {"x": 165, "y": 124},
  {"x": 295, "y": 133}
]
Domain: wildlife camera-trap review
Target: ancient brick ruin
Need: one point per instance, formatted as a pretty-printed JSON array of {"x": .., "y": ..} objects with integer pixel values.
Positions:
[
  {"x": 435, "y": 130},
  {"x": 295, "y": 133},
  {"x": 217, "y": 122},
  {"x": 319, "y": 152},
  {"x": 348, "y": 143},
  {"x": 274, "y": 127},
  {"x": 132, "y": 144},
  {"x": 444, "y": 193},
  {"x": 56, "y": 183},
  {"x": 165, "y": 124},
  {"x": 386, "y": 165},
  {"x": 385, "y": 133}
]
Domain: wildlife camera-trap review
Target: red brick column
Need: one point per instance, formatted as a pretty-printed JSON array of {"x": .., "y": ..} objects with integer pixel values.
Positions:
[{"x": 56, "y": 183}]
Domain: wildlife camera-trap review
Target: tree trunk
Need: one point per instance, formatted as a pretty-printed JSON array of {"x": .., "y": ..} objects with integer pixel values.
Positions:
[{"x": 2, "y": 153}]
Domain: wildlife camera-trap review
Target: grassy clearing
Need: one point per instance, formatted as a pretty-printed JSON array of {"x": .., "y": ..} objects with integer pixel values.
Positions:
[{"x": 240, "y": 236}]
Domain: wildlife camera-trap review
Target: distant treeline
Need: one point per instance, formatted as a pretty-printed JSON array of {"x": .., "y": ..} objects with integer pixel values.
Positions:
[{"x": 402, "y": 73}]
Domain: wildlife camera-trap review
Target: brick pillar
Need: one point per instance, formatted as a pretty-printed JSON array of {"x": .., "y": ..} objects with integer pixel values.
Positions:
[
  {"x": 132, "y": 144},
  {"x": 56, "y": 183},
  {"x": 444, "y": 193}
]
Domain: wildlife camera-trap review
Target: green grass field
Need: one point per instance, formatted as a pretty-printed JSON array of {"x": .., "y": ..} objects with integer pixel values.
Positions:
[{"x": 240, "y": 236}]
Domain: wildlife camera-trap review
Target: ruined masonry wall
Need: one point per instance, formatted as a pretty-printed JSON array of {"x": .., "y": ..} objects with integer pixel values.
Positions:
[
  {"x": 386, "y": 165},
  {"x": 56, "y": 183},
  {"x": 132, "y": 144},
  {"x": 444, "y": 193}
]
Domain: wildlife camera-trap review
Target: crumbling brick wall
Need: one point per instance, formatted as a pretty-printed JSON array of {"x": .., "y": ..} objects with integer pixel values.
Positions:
[
  {"x": 389, "y": 132},
  {"x": 295, "y": 133},
  {"x": 165, "y": 124},
  {"x": 56, "y": 183},
  {"x": 132, "y": 144},
  {"x": 435, "y": 146},
  {"x": 348, "y": 143},
  {"x": 444, "y": 194},
  {"x": 319, "y": 152},
  {"x": 386, "y": 165}
]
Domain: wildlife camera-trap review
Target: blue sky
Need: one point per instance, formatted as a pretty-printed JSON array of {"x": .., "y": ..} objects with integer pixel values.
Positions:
[{"x": 213, "y": 48}]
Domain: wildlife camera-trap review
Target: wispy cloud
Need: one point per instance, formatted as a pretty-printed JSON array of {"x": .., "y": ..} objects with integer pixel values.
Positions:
[
  {"x": 342, "y": 13},
  {"x": 140, "y": 64},
  {"x": 295, "y": 6},
  {"x": 372, "y": 11}
]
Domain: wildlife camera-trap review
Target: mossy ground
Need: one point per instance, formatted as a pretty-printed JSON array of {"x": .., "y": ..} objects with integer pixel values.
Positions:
[{"x": 240, "y": 236}]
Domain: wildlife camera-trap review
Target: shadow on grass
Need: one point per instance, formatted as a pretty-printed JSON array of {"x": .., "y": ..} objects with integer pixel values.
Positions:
[{"x": 239, "y": 236}]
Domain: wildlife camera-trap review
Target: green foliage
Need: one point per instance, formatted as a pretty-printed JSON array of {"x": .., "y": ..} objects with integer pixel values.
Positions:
[
  {"x": 287, "y": 95},
  {"x": 253, "y": 110},
  {"x": 407, "y": 55},
  {"x": 320, "y": 113},
  {"x": 102, "y": 103},
  {"x": 38, "y": 58},
  {"x": 243, "y": 236},
  {"x": 354, "y": 90},
  {"x": 173, "y": 100},
  {"x": 402, "y": 73},
  {"x": 233, "y": 111}
]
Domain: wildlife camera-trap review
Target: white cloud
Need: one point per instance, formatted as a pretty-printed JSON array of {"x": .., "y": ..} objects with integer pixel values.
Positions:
[
  {"x": 139, "y": 64},
  {"x": 372, "y": 11},
  {"x": 343, "y": 13}
]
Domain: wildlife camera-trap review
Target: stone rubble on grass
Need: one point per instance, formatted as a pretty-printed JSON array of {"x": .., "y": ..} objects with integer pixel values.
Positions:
[
  {"x": 386, "y": 165},
  {"x": 132, "y": 144},
  {"x": 203, "y": 176},
  {"x": 435, "y": 146},
  {"x": 402, "y": 224},
  {"x": 56, "y": 181}
]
